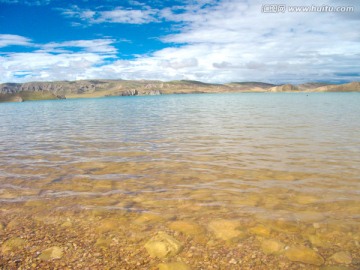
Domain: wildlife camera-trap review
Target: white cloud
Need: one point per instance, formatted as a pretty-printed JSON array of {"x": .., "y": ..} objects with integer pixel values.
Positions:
[
  {"x": 93, "y": 46},
  {"x": 69, "y": 60},
  {"x": 13, "y": 40},
  {"x": 126, "y": 16},
  {"x": 229, "y": 41},
  {"x": 117, "y": 15},
  {"x": 180, "y": 64},
  {"x": 46, "y": 66},
  {"x": 236, "y": 41}
]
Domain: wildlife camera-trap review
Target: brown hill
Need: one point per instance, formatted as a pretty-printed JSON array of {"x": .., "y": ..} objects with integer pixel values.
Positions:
[
  {"x": 284, "y": 88},
  {"x": 101, "y": 88},
  {"x": 348, "y": 87}
]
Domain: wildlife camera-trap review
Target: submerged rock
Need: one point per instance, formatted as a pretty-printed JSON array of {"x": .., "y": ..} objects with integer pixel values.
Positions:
[
  {"x": 304, "y": 255},
  {"x": 342, "y": 257},
  {"x": 309, "y": 216},
  {"x": 103, "y": 243},
  {"x": 163, "y": 245},
  {"x": 285, "y": 226},
  {"x": 107, "y": 225},
  {"x": 260, "y": 230},
  {"x": 186, "y": 227},
  {"x": 173, "y": 266},
  {"x": 67, "y": 224},
  {"x": 246, "y": 200},
  {"x": 334, "y": 267},
  {"x": 148, "y": 218},
  {"x": 51, "y": 253},
  {"x": 271, "y": 246},
  {"x": 306, "y": 199},
  {"x": 13, "y": 224},
  {"x": 13, "y": 244},
  {"x": 226, "y": 229},
  {"x": 318, "y": 240}
]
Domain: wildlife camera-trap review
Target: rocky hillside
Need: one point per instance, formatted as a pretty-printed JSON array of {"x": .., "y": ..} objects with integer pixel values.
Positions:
[
  {"x": 28, "y": 96},
  {"x": 101, "y": 88},
  {"x": 349, "y": 87},
  {"x": 250, "y": 86}
]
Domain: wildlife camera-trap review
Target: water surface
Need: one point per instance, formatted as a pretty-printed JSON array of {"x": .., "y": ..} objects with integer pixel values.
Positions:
[{"x": 287, "y": 162}]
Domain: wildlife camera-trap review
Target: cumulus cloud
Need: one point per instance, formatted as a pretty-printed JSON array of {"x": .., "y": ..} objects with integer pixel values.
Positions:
[
  {"x": 234, "y": 40},
  {"x": 46, "y": 66},
  {"x": 69, "y": 60},
  {"x": 216, "y": 41},
  {"x": 14, "y": 40}
]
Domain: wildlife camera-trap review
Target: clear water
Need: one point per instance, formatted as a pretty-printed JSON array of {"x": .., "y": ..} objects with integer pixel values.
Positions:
[{"x": 259, "y": 158}]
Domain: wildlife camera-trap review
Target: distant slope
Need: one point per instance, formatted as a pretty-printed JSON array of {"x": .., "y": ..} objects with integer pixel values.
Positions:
[
  {"x": 348, "y": 87},
  {"x": 284, "y": 88},
  {"x": 102, "y": 88},
  {"x": 250, "y": 86},
  {"x": 317, "y": 87},
  {"x": 309, "y": 86},
  {"x": 28, "y": 96}
]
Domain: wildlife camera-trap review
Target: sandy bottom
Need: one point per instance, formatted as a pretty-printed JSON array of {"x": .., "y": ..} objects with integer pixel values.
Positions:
[{"x": 182, "y": 222}]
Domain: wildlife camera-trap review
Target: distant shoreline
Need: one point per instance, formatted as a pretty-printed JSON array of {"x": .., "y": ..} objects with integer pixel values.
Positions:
[{"x": 19, "y": 92}]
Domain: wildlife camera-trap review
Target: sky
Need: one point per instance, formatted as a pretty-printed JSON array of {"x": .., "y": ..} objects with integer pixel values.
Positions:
[{"x": 215, "y": 41}]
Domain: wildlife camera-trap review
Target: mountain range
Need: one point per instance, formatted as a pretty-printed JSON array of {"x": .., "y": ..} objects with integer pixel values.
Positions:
[{"x": 18, "y": 92}]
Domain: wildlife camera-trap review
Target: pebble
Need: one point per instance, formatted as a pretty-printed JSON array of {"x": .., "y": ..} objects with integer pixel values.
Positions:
[{"x": 232, "y": 261}]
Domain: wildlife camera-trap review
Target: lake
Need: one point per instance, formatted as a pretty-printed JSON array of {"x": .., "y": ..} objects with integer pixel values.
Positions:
[{"x": 238, "y": 181}]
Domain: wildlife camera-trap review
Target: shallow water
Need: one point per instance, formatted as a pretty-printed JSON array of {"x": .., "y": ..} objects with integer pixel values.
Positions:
[{"x": 279, "y": 166}]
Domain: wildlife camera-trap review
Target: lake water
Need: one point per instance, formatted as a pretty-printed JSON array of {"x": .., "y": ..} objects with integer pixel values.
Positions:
[{"x": 221, "y": 173}]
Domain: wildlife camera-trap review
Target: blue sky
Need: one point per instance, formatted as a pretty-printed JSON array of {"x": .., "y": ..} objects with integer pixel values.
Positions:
[{"x": 208, "y": 40}]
